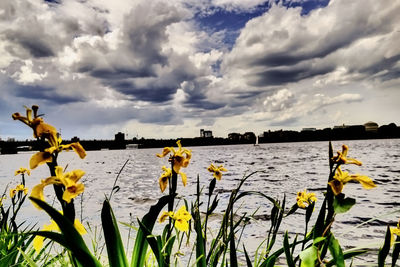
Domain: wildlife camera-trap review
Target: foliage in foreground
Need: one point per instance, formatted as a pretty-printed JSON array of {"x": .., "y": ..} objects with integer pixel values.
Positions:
[{"x": 186, "y": 225}]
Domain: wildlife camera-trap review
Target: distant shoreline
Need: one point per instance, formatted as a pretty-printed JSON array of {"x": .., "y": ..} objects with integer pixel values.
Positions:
[{"x": 12, "y": 147}]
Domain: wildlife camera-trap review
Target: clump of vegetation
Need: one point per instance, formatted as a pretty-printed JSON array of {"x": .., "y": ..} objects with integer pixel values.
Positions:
[{"x": 184, "y": 225}]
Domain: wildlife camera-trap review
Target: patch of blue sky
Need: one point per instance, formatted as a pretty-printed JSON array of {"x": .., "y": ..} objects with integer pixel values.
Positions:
[
  {"x": 306, "y": 5},
  {"x": 217, "y": 19}
]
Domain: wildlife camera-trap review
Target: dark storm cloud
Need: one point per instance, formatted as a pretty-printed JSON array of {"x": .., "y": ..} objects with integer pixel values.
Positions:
[
  {"x": 118, "y": 73},
  {"x": 195, "y": 91},
  {"x": 286, "y": 75},
  {"x": 385, "y": 64},
  {"x": 43, "y": 93},
  {"x": 297, "y": 47},
  {"x": 29, "y": 41}
]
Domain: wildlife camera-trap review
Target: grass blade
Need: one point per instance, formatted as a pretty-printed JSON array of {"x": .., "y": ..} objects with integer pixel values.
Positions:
[
  {"x": 115, "y": 248},
  {"x": 286, "y": 247},
  {"x": 384, "y": 251},
  {"x": 73, "y": 240},
  {"x": 140, "y": 248}
]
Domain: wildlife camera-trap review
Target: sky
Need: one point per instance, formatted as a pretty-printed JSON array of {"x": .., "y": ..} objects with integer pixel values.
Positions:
[{"x": 166, "y": 69}]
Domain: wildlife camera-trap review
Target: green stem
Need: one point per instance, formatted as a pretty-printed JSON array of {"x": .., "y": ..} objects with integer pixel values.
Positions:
[{"x": 67, "y": 208}]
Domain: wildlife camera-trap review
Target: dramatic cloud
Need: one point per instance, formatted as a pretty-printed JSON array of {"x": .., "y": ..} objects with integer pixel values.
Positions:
[{"x": 167, "y": 68}]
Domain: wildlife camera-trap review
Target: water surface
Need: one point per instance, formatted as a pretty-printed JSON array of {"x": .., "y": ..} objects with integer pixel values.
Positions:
[{"x": 285, "y": 169}]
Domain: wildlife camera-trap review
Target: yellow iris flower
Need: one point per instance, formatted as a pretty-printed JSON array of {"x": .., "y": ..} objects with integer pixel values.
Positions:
[
  {"x": 341, "y": 178},
  {"x": 342, "y": 158},
  {"x": 181, "y": 218},
  {"x": 304, "y": 199},
  {"x": 40, "y": 129},
  {"x": 217, "y": 171},
  {"x": 394, "y": 231},
  {"x": 69, "y": 180},
  {"x": 22, "y": 171},
  {"x": 47, "y": 155},
  {"x": 180, "y": 157},
  {"x": 163, "y": 180},
  {"x": 38, "y": 240},
  {"x": 19, "y": 187}
]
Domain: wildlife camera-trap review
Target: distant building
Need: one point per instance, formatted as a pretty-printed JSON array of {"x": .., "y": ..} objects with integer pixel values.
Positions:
[
  {"x": 250, "y": 136},
  {"x": 308, "y": 129},
  {"x": 205, "y": 133},
  {"x": 234, "y": 136},
  {"x": 340, "y": 126},
  {"x": 371, "y": 126},
  {"x": 119, "y": 137}
]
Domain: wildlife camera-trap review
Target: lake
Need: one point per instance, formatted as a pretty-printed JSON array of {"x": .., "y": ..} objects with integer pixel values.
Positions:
[{"x": 286, "y": 169}]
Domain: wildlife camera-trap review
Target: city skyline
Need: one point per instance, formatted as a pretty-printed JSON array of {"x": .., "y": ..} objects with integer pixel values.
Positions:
[{"x": 165, "y": 69}]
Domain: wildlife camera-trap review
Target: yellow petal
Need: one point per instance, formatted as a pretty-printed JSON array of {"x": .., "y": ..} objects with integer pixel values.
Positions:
[
  {"x": 165, "y": 215},
  {"x": 182, "y": 213},
  {"x": 72, "y": 190},
  {"x": 301, "y": 204},
  {"x": 165, "y": 152},
  {"x": 182, "y": 225},
  {"x": 78, "y": 148},
  {"x": 221, "y": 168},
  {"x": 217, "y": 175},
  {"x": 163, "y": 182},
  {"x": 59, "y": 172},
  {"x": 37, "y": 192},
  {"x": 43, "y": 129},
  {"x": 336, "y": 186},
  {"x": 79, "y": 227},
  {"x": 353, "y": 161},
  {"x": 51, "y": 227},
  {"x": 38, "y": 243},
  {"x": 13, "y": 192},
  {"x": 39, "y": 158},
  {"x": 211, "y": 168},
  {"x": 22, "y": 171},
  {"x": 177, "y": 166},
  {"x": 75, "y": 175},
  {"x": 365, "y": 181},
  {"x": 184, "y": 178}
]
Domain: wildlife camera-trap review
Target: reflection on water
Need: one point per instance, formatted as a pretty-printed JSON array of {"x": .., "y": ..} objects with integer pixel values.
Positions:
[{"x": 285, "y": 169}]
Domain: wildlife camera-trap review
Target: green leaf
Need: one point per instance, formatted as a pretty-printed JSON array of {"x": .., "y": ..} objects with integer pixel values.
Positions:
[
  {"x": 112, "y": 236},
  {"x": 248, "y": 261},
  {"x": 292, "y": 210},
  {"x": 286, "y": 246},
  {"x": 384, "y": 251},
  {"x": 28, "y": 259},
  {"x": 347, "y": 255},
  {"x": 232, "y": 248},
  {"x": 336, "y": 252},
  {"x": 213, "y": 206},
  {"x": 270, "y": 262},
  {"x": 140, "y": 248},
  {"x": 200, "y": 244},
  {"x": 73, "y": 240},
  {"x": 396, "y": 251},
  {"x": 212, "y": 186},
  {"x": 309, "y": 211},
  {"x": 318, "y": 239},
  {"x": 330, "y": 155},
  {"x": 319, "y": 224},
  {"x": 155, "y": 244},
  {"x": 342, "y": 204},
  {"x": 308, "y": 256}
]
